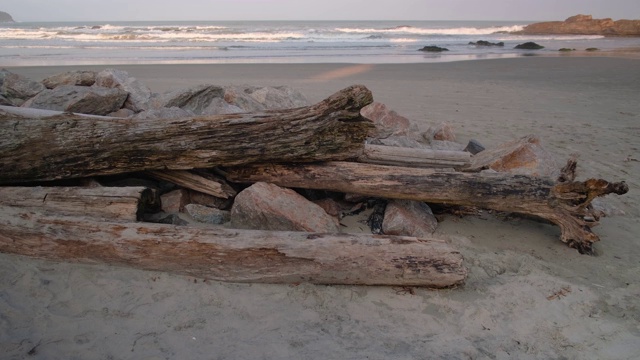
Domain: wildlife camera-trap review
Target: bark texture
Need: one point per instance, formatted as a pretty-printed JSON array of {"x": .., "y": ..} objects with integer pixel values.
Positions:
[
  {"x": 565, "y": 202},
  {"x": 71, "y": 146},
  {"x": 233, "y": 255}
]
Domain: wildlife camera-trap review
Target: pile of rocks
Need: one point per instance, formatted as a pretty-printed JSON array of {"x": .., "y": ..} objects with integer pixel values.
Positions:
[{"x": 114, "y": 93}]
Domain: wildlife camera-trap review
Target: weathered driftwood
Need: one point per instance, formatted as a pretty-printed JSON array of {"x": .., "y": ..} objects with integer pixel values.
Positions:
[
  {"x": 203, "y": 182},
  {"x": 410, "y": 157},
  {"x": 233, "y": 255},
  {"x": 70, "y": 146},
  {"x": 113, "y": 203},
  {"x": 565, "y": 203}
]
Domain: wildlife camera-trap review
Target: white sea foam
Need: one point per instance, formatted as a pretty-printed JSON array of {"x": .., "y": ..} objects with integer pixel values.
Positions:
[{"x": 371, "y": 41}]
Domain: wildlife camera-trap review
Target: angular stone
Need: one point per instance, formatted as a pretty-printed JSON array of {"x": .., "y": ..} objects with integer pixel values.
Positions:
[
  {"x": 409, "y": 218},
  {"x": 79, "y": 99},
  {"x": 211, "y": 99},
  {"x": 195, "y": 99},
  {"x": 199, "y": 198},
  {"x": 524, "y": 156},
  {"x": 387, "y": 122},
  {"x": 473, "y": 147},
  {"x": 122, "y": 113},
  {"x": 78, "y": 78},
  {"x": 442, "y": 132},
  {"x": 139, "y": 94},
  {"x": 269, "y": 207},
  {"x": 206, "y": 214},
  {"x": 164, "y": 113},
  {"x": 174, "y": 201},
  {"x": 330, "y": 206},
  {"x": 268, "y": 98},
  {"x": 17, "y": 88}
]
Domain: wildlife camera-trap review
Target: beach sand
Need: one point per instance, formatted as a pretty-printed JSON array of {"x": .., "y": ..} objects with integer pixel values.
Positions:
[{"x": 528, "y": 296}]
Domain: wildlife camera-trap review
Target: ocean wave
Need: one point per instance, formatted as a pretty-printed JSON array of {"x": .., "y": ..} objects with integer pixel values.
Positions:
[{"x": 436, "y": 31}]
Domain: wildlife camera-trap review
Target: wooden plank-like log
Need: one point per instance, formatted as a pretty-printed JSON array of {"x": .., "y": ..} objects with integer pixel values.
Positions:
[
  {"x": 113, "y": 203},
  {"x": 410, "y": 157},
  {"x": 202, "y": 182},
  {"x": 566, "y": 204},
  {"x": 71, "y": 146},
  {"x": 233, "y": 255}
]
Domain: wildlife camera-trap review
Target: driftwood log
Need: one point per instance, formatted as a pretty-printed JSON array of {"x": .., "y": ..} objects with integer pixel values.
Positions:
[
  {"x": 231, "y": 255},
  {"x": 113, "y": 203},
  {"x": 35, "y": 148},
  {"x": 202, "y": 182},
  {"x": 410, "y": 157},
  {"x": 565, "y": 202}
]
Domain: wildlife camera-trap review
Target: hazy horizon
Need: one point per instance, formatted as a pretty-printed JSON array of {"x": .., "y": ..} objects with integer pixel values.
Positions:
[{"x": 326, "y": 10}]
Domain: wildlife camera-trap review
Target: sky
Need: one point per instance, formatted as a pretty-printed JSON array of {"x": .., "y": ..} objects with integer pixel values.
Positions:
[{"x": 154, "y": 10}]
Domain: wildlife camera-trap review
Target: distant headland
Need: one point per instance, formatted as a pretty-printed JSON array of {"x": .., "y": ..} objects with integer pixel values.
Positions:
[
  {"x": 5, "y": 17},
  {"x": 584, "y": 25}
]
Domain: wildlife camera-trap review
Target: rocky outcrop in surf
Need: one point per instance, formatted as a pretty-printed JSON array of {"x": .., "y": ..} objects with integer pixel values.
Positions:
[
  {"x": 584, "y": 25},
  {"x": 5, "y": 17}
]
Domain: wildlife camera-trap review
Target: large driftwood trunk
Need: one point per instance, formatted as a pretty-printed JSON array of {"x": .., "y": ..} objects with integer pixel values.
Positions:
[
  {"x": 71, "y": 146},
  {"x": 232, "y": 255},
  {"x": 566, "y": 203},
  {"x": 410, "y": 157}
]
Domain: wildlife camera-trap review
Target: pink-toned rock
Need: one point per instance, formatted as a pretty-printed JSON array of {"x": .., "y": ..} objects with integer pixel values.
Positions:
[
  {"x": 174, "y": 201},
  {"x": 330, "y": 206},
  {"x": 408, "y": 218},
  {"x": 269, "y": 207},
  {"x": 442, "y": 132},
  {"x": 387, "y": 121},
  {"x": 524, "y": 156},
  {"x": 584, "y": 25}
]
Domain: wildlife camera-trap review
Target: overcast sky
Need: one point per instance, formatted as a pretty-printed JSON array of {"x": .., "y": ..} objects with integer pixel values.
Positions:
[{"x": 113, "y": 10}]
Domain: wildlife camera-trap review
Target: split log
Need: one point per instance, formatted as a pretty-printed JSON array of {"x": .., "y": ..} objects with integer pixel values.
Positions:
[
  {"x": 113, "y": 203},
  {"x": 233, "y": 255},
  {"x": 201, "y": 182},
  {"x": 565, "y": 203},
  {"x": 71, "y": 146},
  {"x": 410, "y": 157}
]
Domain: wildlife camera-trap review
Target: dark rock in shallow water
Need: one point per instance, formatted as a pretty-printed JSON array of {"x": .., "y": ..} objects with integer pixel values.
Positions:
[
  {"x": 592, "y": 49},
  {"x": 486, "y": 43},
  {"x": 529, "y": 46},
  {"x": 566, "y": 50},
  {"x": 433, "y": 49}
]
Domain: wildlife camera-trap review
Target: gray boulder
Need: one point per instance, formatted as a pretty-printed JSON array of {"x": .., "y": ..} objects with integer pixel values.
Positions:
[
  {"x": 164, "y": 113},
  {"x": 79, "y": 78},
  {"x": 409, "y": 218},
  {"x": 16, "y": 88},
  {"x": 206, "y": 214},
  {"x": 212, "y": 99},
  {"x": 269, "y": 207},
  {"x": 201, "y": 99},
  {"x": 79, "y": 99},
  {"x": 257, "y": 98},
  {"x": 139, "y": 94}
]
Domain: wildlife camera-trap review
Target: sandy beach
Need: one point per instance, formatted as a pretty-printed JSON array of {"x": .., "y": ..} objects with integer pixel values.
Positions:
[{"x": 528, "y": 296}]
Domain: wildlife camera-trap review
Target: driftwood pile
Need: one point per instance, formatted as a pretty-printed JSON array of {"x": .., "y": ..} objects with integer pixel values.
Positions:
[{"x": 62, "y": 195}]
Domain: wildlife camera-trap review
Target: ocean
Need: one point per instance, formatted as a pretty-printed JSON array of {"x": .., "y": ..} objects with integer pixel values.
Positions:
[{"x": 174, "y": 42}]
